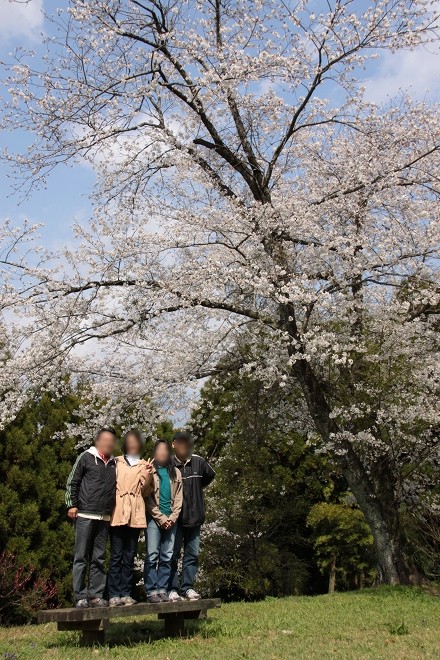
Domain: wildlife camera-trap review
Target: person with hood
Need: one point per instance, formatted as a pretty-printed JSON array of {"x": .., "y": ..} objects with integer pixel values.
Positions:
[
  {"x": 163, "y": 508},
  {"x": 133, "y": 483},
  {"x": 196, "y": 475},
  {"x": 90, "y": 500}
]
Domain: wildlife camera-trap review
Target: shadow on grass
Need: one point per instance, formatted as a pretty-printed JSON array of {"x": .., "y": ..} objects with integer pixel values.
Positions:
[{"x": 140, "y": 632}]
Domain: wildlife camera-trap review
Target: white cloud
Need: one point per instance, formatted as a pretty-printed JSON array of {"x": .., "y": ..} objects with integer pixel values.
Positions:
[
  {"x": 416, "y": 73},
  {"x": 21, "y": 18}
]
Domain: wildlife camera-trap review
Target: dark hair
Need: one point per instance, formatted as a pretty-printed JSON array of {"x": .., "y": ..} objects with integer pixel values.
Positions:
[
  {"x": 170, "y": 465},
  {"x": 105, "y": 429},
  {"x": 137, "y": 434},
  {"x": 183, "y": 435}
]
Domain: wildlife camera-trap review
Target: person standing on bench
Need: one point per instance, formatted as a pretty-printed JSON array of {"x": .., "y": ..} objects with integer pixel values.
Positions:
[
  {"x": 90, "y": 499},
  {"x": 196, "y": 475},
  {"x": 133, "y": 483},
  {"x": 163, "y": 508}
]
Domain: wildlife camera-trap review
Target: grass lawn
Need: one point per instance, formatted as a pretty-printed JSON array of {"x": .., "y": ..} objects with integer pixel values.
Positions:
[{"x": 400, "y": 623}]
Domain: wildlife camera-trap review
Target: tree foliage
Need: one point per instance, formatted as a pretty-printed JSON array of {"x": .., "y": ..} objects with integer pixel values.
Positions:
[
  {"x": 343, "y": 544},
  {"x": 35, "y": 460},
  {"x": 256, "y": 541},
  {"x": 245, "y": 184}
]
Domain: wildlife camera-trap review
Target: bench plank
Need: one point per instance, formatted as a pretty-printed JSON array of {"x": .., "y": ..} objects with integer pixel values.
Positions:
[
  {"x": 140, "y": 609},
  {"x": 193, "y": 614}
]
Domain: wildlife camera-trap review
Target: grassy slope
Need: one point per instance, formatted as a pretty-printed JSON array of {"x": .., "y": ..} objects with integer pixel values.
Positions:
[{"x": 399, "y": 623}]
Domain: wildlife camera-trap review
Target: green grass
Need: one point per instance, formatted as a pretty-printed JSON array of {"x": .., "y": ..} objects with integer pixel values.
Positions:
[{"x": 399, "y": 623}]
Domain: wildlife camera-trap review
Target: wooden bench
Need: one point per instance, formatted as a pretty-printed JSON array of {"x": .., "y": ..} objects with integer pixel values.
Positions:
[{"x": 93, "y": 621}]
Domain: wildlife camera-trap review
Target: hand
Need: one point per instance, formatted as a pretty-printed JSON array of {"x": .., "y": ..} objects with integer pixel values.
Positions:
[
  {"x": 168, "y": 524},
  {"x": 72, "y": 513},
  {"x": 146, "y": 468}
]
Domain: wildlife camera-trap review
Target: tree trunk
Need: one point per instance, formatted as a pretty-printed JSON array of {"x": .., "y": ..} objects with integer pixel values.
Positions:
[
  {"x": 332, "y": 577},
  {"x": 382, "y": 515},
  {"x": 374, "y": 494}
]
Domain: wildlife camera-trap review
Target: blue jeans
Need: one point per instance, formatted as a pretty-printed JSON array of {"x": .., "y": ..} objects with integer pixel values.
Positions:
[
  {"x": 157, "y": 567},
  {"x": 189, "y": 537},
  {"x": 123, "y": 545}
]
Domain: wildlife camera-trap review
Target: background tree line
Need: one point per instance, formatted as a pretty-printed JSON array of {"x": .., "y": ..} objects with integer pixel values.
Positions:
[{"x": 280, "y": 517}]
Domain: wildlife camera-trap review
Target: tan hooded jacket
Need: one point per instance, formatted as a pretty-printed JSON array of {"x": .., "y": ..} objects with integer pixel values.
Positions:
[
  {"x": 133, "y": 484},
  {"x": 152, "y": 500}
]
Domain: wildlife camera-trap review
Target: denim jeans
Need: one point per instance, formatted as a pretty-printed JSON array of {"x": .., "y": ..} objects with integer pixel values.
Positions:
[
  {"x": 123, "y": 546},
  {"x": 189, "y": 537},
  {"x": 90, "y": 544},
  {"x": 157, "y": 567}
]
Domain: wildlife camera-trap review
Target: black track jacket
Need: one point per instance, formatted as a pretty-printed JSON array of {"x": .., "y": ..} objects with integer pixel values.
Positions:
[
  {"x": 91, "y": 486},
  {"x": 196, "y": 474}
]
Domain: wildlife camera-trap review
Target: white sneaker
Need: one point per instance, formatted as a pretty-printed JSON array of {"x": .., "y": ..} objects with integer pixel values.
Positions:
[
  {"x": 174, "y": 596},
  {"x": 191, "y": 594}
]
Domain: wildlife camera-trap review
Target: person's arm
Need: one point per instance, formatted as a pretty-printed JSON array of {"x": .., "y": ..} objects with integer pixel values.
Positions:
[
  {"x": 208, "y": 474},
  {"x": 178, "y": 501},
  {"x": 154, "y": 511},
  {"x": 147, "y": 486},
  {"x": 73, "y": 486},
  {"x": 146, "y": 477}
]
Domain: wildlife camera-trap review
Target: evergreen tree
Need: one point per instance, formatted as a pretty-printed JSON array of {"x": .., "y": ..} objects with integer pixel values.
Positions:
[
  {"x": 343, "y": 544},
  {"x": 35, "y": 460}
]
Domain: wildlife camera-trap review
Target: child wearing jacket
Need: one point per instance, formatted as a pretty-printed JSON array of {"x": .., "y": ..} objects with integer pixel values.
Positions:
[
  {"x": 133, "y": 484},
  {"x": 163, "y": 507},
  {"x": 90, "y": 500}
]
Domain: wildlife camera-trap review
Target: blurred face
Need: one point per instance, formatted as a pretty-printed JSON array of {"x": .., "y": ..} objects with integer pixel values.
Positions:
[
  {"x": 105, "y": 443},
  {"x": 162, "y": 453},
  {"x": 132, "y": 445},
  {"x": 182, "y": 449}
]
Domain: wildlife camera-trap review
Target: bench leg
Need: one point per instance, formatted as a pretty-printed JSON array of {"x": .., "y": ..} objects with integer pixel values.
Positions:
[
  {"x": 93, "y": 632},
  {"x": 174, "y": 625},
  {"x": 93, "y": 637}
]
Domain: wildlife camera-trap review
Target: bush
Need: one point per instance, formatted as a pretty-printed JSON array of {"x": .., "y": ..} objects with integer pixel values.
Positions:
[
  {"x": 256, "y": 542},
  {"x": 22, "y": 591},
  {"x": 243, "y": 567}
]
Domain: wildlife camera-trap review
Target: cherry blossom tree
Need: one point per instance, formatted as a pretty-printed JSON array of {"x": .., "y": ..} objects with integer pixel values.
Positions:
[{"x": 246, "y": 192}]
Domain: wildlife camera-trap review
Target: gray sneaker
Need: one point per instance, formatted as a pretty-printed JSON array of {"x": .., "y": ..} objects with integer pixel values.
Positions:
[
  {"x": 154, "y": 598},
  {"x": 191, "y": 594},
  {"x": 98, "y": 602},
  {"x": 115, "y": 601},
  {"x": 128, "y": 600},
  {"x": 82, "y": 603}
]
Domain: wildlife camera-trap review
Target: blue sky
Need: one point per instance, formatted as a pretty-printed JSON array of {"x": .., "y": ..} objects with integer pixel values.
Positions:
[{"x": 65, "y": 197}]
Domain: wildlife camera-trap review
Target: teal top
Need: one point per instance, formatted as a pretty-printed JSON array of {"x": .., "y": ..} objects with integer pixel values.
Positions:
[{"x": 164, "y": 491}]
